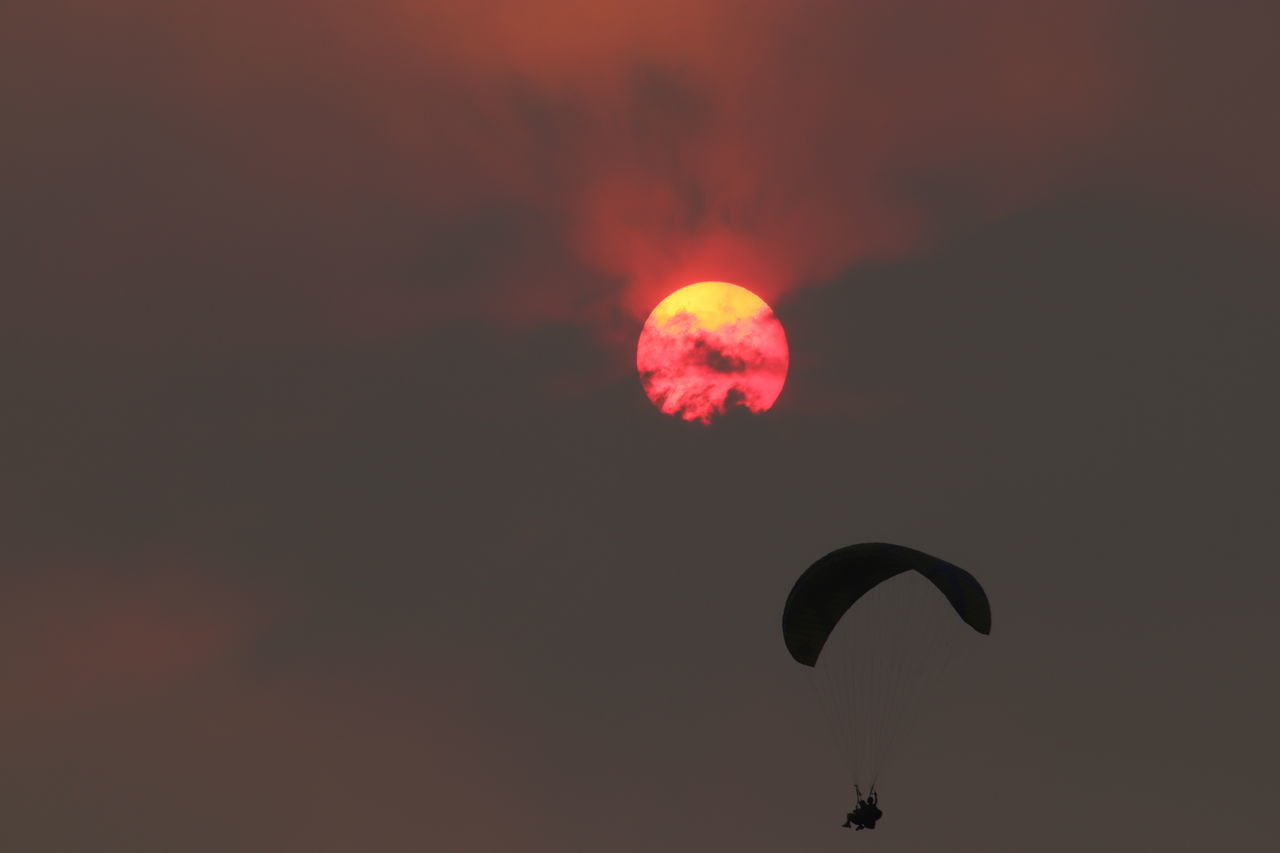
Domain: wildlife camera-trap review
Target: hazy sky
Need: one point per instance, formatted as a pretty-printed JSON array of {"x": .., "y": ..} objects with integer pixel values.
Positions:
[{"x": 334, "y": 517}]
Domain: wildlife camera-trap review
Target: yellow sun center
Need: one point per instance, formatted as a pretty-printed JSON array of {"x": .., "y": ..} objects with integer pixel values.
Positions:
[{"x": 710, "y": 304}]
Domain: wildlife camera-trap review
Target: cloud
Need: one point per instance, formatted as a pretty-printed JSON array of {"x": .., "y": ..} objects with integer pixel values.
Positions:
[
  {"x": 76, "y": 641},
  {"x": 242, "y": 171}
]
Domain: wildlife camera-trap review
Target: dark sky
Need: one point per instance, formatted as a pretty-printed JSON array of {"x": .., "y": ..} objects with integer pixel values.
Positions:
[{"x": 333, "y": 516}]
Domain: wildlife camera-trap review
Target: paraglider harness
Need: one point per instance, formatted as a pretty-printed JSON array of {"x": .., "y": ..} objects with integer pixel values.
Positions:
[{"x": 866, "y": 813}]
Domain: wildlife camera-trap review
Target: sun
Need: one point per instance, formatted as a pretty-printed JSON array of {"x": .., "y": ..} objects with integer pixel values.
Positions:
[{"x": 709, "y": 347}]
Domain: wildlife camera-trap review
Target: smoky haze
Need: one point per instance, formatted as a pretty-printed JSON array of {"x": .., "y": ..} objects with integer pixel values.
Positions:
[{"x": 334, "y": 516}]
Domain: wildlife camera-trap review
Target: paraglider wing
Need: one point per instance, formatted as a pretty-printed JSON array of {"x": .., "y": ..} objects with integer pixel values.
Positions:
[{"x": 830, "y": 587}]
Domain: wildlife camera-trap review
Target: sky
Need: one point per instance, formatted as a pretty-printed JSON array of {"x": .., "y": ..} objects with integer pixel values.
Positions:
[{"x": 334, "y": 516}]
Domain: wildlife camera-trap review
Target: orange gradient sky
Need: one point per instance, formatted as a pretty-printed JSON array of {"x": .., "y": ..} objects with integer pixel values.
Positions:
[
  {"x": 335, "y": 518},
  {"x": 618, "y": 150}
]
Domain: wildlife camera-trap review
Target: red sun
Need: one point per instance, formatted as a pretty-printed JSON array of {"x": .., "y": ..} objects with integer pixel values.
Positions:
[{"x": 710, "y": 346}]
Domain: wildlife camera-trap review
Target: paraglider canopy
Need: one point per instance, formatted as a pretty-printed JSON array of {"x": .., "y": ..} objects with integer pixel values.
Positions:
[{"x": 830, "y": 587}]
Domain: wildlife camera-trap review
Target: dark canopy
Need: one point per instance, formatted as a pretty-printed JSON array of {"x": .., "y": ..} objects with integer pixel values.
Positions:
[{"x": 830, "y": 586}]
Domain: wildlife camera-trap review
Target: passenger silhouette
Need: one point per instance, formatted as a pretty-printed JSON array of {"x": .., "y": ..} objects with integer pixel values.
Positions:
[
  {"x": 865, "y": 813},
  {"x": 873, "y": 812}
]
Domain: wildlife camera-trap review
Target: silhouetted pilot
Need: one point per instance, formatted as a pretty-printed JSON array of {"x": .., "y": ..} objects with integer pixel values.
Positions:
[{"x": 865, "y": 814}]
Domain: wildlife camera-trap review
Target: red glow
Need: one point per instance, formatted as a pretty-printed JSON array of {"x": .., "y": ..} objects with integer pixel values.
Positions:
[{"x": 710, "y": 346}]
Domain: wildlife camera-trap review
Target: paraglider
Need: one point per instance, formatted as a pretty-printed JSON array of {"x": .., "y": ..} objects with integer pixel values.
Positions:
[{"x": 874, "y": 624}]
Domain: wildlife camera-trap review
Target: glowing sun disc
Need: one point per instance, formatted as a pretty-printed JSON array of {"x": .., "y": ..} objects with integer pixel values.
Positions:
[{"x": 711, "y": 346}]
